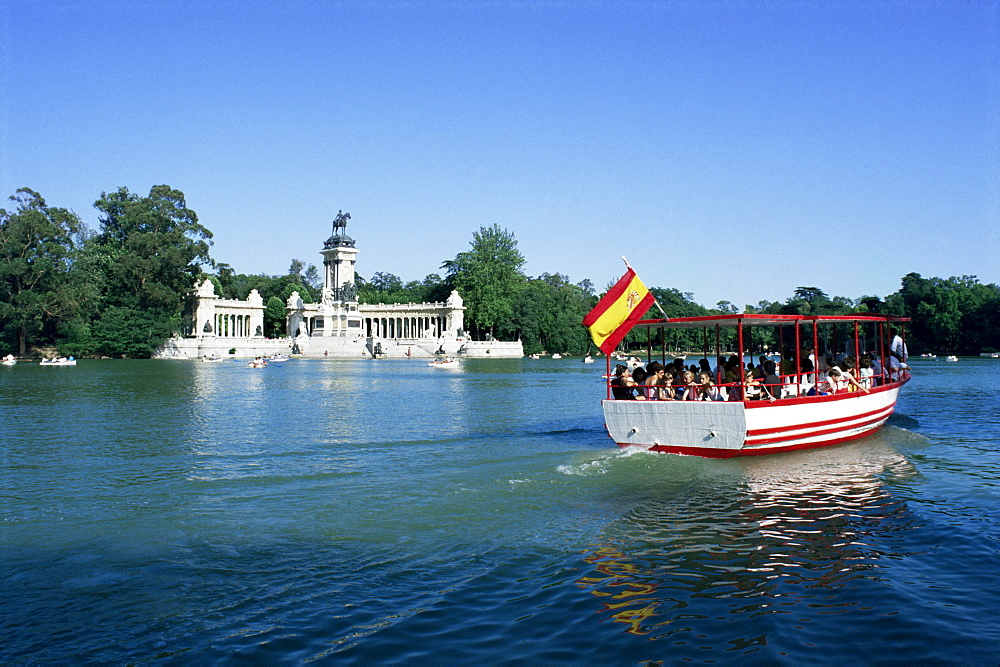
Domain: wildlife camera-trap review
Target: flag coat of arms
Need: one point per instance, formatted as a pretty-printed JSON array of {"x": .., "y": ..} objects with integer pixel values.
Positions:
[{"x": 618, "y": 311}]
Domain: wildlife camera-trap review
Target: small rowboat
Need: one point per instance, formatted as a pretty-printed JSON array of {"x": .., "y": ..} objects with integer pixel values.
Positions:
[
  {"x": 798, "y": 414},
  {"x": 444, "y": 363},
  {"x": 9, "y": 360},
  {"x": 61, "y": 361}
]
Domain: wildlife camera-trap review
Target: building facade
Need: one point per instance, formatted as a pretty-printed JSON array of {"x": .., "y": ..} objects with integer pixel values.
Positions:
[{"x": 338, "y": 326}]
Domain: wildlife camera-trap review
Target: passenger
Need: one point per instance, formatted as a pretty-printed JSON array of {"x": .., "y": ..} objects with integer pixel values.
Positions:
[
  {"x": 707, "y": 391},
  {"x": 689, "y": 390},
  {"x": 720, "y": 369},
  {"x": 821, "y": 365},
  {"x": 772, "y": 382},
  {"x": 620, "y": 385},
  {"x": 877, "y": 371},
  {"x": 808, "y": 379},
  {"x": 897, "y": 347},
  {"x": 654, "y": 380},
  {"x": 848, "y": 367},
  {"x": 667, "y": 392},
  {"x": 732, "y": 374},
  {"x": 787, "y": 365},
  {"x": 831, "y": 362},
  {"x": 836, "y": 382},
  {"x": 897, "y": 369},
  {"x": 758, "y": 372},
  {"x": 638, "y": 378},
  {"x": 866, "y": 373}
]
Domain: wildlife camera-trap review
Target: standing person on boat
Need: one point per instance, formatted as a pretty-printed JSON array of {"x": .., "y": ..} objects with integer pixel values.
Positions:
[{"x": 898, "y": 348}]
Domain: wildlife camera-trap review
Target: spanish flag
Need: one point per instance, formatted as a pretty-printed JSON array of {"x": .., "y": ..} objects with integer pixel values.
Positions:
[{"x": 618, "y": 311}]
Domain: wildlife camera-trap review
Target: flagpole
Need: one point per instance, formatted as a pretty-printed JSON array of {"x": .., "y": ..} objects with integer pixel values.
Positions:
[{"x": 629, "y": 267}]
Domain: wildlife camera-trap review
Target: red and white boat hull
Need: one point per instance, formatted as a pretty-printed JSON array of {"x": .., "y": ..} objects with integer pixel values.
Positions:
[{"x": 727, "y": 429}]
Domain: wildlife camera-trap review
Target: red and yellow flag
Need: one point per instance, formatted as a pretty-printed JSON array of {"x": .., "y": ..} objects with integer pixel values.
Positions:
[{"x": 618, "y": 311}]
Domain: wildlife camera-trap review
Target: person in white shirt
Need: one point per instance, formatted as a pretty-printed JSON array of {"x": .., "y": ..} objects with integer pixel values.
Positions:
[
  {"x": 898, "y": 348},
  {"x": 897, "y": 369}
]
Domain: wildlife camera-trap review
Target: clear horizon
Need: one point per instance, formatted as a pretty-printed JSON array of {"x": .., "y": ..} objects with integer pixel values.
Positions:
[{"x": 734, "y": 151}]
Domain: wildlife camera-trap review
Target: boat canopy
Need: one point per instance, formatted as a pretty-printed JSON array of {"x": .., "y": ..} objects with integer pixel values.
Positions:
[{"x": 761, "y": 320}]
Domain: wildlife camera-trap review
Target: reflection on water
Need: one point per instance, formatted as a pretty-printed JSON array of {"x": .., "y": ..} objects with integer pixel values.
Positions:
[
  {"x": 765, "y": 535},
  {"x": 377, "y": 513}
]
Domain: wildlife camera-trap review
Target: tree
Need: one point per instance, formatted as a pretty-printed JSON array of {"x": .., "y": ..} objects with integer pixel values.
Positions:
[
  {"x": 489, "y": 278},
  {"x": 153, "y": 249},
  {"x": 36, "y": 245},
  {"x": 311, "y": 277},
  {"x": 274, "y": 318},
  {"x": 549, "y": 314}
]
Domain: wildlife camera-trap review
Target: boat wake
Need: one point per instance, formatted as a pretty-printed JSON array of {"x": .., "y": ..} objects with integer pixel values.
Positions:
[{"x": 604, "y": 463}]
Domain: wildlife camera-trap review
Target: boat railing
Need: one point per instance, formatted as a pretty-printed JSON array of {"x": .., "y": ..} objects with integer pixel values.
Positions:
[{"x": 791, "y": 386}]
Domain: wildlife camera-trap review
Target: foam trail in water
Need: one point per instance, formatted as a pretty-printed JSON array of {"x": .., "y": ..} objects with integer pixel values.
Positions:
[{"x": 601, "y": 465}]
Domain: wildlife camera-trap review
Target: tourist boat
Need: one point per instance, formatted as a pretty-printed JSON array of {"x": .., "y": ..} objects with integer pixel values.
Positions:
[
  {"x": 557, "y": 356},
  {"x": 952, "y": 357},
  {"x": 9, "y": 360},
  {"x": 795, "y": 417},
  {"x": 447, "y": 362},
  {"x": 61, "y": 361}
]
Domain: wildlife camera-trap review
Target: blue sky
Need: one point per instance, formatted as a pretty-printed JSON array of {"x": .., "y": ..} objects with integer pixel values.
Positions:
[{"x": 735, "y": 150}]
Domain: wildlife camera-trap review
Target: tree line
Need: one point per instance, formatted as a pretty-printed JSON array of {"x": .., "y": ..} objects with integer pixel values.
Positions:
[{"x": 120, "y": 290}]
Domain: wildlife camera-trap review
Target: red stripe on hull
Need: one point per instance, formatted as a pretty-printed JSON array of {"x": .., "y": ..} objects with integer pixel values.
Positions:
[
  {"x": 753, "y": 433},
  {"x": 753, "y": 441},
  {"x": 757, "y": 451}
]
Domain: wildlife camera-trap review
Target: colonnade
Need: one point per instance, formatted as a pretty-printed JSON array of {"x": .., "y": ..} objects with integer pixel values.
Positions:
[
  {"x": 406, "y": 327},
  {"x": 232, "y": 326}
]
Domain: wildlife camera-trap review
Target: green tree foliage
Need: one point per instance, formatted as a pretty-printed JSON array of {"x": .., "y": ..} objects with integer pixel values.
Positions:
[
  {"x": 153, "y": 249},
  {"x": 489, "y": 278},
  {"x": 548, "y": 315},
  {"x": 36, "y": 248},
  {"x": 954, "y": 315},
  {"x": 274, "y": 318},
  {"x": 389, "y": 288}
]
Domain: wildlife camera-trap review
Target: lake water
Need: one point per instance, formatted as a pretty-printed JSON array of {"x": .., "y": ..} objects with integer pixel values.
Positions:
[{"x": 359, "y": 512}]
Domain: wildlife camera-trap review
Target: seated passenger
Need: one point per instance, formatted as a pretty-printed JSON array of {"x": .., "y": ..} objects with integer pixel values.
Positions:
[
  {"x": 620, "y": 389},
  {"x": 897, "y": 369},
  {"x": 654, "y": 380},
  {"x": 807, "y": 379},
  {"x": 667, "y": 392},
  {"x": 866, "y": 374},
  {"x": 755, "y": 391},
  {"x": 707, "y": 391},
  {"x": 689, "y": 390},
  {"x": 771, "y": 379},
  {"x": 732, "y": 374},
  {"x": 836, "y": 382},
  {"x": 638, "y": 379},
  {"x": 787, "y": 365}
]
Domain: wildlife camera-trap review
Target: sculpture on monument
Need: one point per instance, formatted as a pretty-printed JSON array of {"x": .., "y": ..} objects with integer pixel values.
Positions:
[{"x": 340, "y": 222}]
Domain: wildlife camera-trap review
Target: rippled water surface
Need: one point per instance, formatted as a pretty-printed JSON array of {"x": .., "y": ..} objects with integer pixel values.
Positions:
[{"x": 364, "y": 512}]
